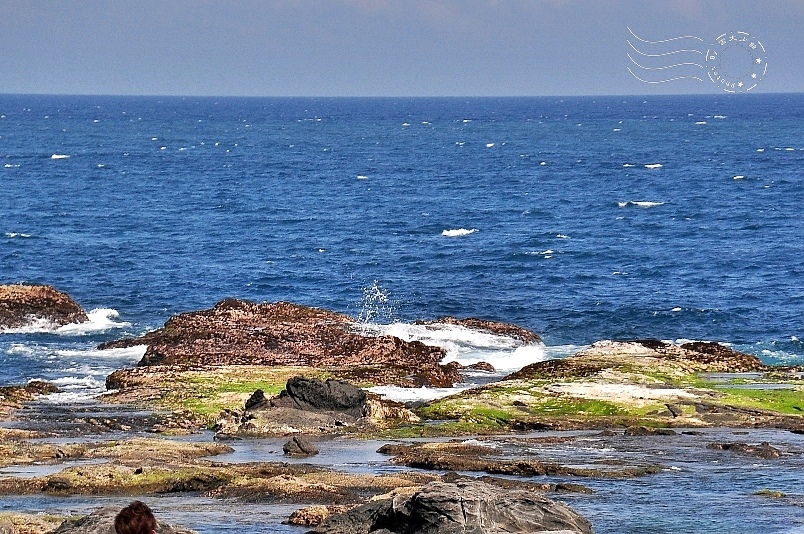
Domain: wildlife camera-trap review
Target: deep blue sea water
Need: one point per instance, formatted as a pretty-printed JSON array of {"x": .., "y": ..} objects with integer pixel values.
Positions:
[{"x": 676, "y": 217}]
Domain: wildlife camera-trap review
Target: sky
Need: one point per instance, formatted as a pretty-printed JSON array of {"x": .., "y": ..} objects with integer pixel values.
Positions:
[{"x": 393, "y": 47}]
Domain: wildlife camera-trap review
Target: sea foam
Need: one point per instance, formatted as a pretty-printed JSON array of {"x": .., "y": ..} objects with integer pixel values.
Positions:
[
  {"x": 463, "y": 345},
  {"x": 99, "y": 320},
  {"x": 639, "y": 203},
  {"x": 459, "y": 232}
]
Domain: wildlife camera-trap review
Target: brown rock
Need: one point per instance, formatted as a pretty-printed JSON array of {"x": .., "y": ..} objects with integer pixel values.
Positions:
[
  {"x": 764, "y": 450},
  {"x": 649, "y": 353},
  {"x": 491, "y": 327},
  {"x": 481, "y": 366},
  {"x": 312, "y": 516},
  {"x": 237, "y": 332},
  {"x": 21, "y": 304},
  {"x": 299, "y": 446}
]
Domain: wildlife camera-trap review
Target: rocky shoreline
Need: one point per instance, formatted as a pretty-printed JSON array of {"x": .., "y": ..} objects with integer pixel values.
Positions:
[{"x": 247, "y": 370}]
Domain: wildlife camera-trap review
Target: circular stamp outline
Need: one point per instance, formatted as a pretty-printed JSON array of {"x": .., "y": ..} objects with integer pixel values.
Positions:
[{"x": 737, "y": 82}]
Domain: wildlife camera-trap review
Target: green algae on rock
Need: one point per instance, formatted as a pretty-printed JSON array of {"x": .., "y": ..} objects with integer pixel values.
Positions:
[{"x": 621, "y": 384}]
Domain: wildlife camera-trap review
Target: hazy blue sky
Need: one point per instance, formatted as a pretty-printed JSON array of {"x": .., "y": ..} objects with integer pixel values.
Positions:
[{"x": 376, "y": 47}]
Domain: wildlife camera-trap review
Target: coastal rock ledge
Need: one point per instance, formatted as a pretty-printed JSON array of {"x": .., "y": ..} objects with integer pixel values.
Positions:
[
  {"x": 238, "y": 332},
  {"x": 462, "y": 507},
  {"x": 21, "y": 305}
]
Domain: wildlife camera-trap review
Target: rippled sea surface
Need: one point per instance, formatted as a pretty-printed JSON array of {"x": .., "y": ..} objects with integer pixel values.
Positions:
[{"x": 675, "y": 217}]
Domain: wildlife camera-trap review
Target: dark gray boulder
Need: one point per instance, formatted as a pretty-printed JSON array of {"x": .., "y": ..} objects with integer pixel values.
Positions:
[
  {"x": 314, "y": 395},
  {"x": 300, "y": 446},
  {"x": 465, "y": 507},
  {"x": 101, "y": 521}
]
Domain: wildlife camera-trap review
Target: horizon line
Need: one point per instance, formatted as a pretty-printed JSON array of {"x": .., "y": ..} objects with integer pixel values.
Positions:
[{"x": 613, "y": 95}]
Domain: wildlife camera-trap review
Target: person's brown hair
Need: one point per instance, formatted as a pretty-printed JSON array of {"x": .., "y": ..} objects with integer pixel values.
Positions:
[{"x": 136, "y": 518}]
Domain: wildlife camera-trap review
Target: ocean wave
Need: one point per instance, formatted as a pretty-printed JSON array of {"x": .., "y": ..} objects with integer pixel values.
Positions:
[
  {"x": 639, "y": 203},
  {"x": 59, "y": 156},
  {"x": 76, "y": 382},
  {"x": 465, "y": 345},
  {"x": 459, "y": 232},
  {"x": 12, "y": 235},
  {"x": 126, "y": 355},
  {"x": 99, "y": 320},
  {"x": 654, "y": 166}
]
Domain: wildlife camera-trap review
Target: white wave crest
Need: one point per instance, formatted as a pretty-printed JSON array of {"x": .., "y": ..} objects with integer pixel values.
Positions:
[
  {"x": 128, "y": 355},
  {"x": 639, "y": 203},
  {"x": 654, "y": 166},
  {"x": 99, "y": 320},
  {"x": 465, "y": 345},
  {"x": 59, "y": 156},
  {"x": 75, "y": 382},
  {"x": 459, "y": 232},
  {"x": 12, "y": 235}
]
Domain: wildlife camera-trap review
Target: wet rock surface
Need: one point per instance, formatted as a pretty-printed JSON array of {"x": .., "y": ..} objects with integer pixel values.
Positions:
[
  {"x": 764, "y": 450},
  {"x": 453, "y": 456},
  {"x": 20, "y": 305},
  {"x": 299, "y": 446},
  {"x": 237, "y": 332},
  {"x": 452, "y": 508},
  {"x": 13, "y": 397}
]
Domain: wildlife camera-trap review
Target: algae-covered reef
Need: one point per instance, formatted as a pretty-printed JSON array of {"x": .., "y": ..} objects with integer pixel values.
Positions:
[{"x": 621, "y": 384}]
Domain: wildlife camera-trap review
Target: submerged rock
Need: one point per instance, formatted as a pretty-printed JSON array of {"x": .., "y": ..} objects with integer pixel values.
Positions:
[
  {"x": 238, "y": 332},
  {"x": 102, "y": 522},
  {"x": 20, "y": 305},
  {"x": 764, "y": 450},
  {"x": 462, "y": 457},
  {"x": 452, "y": 508}
]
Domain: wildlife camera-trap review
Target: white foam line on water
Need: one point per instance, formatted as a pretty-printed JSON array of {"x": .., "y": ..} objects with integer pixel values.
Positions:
[
  {"x": 458, "y": 232},
  {"x": 463, "y": 345},
  {"x": 128, "y": 354},
  {"x": 99, "y": 320}
]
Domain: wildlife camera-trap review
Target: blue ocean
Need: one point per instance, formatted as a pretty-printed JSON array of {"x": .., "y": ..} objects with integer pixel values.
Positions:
[{"x": 670, "y": 217}]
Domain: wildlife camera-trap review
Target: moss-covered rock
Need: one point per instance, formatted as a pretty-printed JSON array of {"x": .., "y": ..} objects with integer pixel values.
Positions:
[{"x": 646, "y": 383}]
